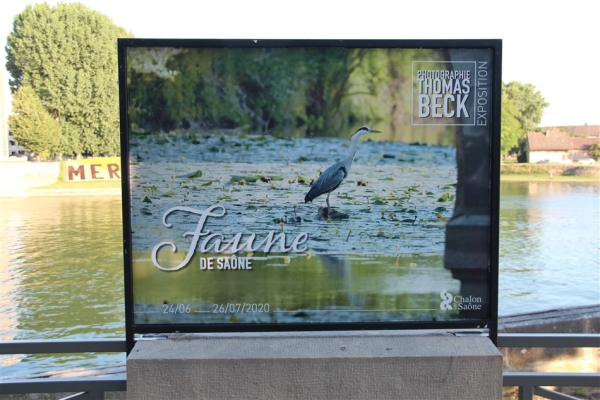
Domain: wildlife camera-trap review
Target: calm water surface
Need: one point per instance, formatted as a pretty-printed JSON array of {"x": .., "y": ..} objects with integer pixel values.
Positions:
[
  {"x": 549, "y": 246},
  {"x": 61, "y": 265},
  {"x": 61, "y": 268}
]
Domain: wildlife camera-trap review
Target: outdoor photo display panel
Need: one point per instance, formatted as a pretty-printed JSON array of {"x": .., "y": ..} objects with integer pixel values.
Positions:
[{"x": 224, "y": 140}]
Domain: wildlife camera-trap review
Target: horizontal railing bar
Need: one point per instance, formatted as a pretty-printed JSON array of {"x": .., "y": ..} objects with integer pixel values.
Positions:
[
  {"x": 548, "y": 340},
  {"x": 63, "y": 346},
  {"x": 57, "y": 385},
  {"x": 550, "y": 379}
]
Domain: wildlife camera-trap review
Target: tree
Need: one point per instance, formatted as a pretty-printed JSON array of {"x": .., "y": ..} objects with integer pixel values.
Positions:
[
  {"x": 512, "y": 131},
  {"x": 68, "y": 55},
  {"x": 31, "y": 125},
  {"x": 522, "y": 111},
  {"x": 530, "y": 104},
  {"x": 595, "y": 151}
]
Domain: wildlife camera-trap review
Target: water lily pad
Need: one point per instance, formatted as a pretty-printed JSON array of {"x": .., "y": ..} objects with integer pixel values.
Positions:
[
  {"x": 303, "y": 179},
  {"x": 446, "y": 197},
  {"x": 226, "y": 198},
  {"x": 196, "y": 174}
]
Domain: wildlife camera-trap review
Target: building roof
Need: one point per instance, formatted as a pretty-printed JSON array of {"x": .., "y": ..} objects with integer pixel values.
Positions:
[
  {"x": 576, "y": 130},
  {"x": 549, "y": 141},
  {"x": 558, "y": 141}
]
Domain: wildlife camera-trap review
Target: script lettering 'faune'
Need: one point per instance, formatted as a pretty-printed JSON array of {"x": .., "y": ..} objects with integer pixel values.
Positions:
[{"x": 215, "y": 242}]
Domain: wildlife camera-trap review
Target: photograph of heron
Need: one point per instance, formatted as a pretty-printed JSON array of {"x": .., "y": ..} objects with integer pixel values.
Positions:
[{"x": 286, "y": 185}]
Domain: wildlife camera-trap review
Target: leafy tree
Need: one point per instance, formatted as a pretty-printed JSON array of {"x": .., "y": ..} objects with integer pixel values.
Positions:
[
  {"x": 68, "y": 55},
  {"x": 31, "y": 125},
  {"x": 529, "y": 103},
  {"x": 522, "y": 111},
  {"x": 595, "y": 151},
  {"x": 512, "y": 131}
]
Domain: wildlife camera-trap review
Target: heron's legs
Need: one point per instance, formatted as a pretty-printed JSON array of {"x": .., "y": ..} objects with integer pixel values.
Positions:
[{"x": 328, "y": 207}]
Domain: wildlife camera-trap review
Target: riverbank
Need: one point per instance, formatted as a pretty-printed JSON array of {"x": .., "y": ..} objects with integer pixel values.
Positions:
[
  {"x": 555, "y": 172},
  {"x": 17, "y": 177},
  {"x": 31, "y": 179}
]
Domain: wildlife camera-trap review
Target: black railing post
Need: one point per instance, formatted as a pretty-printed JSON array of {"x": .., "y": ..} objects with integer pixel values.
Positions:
[{"x": 525, "y": 392}]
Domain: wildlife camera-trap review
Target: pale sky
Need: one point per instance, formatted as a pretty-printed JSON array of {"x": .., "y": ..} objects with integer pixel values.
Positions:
[{"x": 552, "y": 45}]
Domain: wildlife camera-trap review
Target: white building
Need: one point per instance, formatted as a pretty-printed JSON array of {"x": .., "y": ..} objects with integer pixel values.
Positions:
[{"x": 14, "y": 150}]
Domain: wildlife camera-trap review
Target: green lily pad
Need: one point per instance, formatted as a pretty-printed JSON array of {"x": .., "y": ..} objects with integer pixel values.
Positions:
[{"x": 196, "y": 174}]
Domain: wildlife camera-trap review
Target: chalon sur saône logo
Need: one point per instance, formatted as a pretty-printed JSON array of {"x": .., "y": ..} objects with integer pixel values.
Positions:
[
  {"x": 206, "y": 241},
  {"x": 457, "y": 302},
  {"x": 450, "y": 93}
]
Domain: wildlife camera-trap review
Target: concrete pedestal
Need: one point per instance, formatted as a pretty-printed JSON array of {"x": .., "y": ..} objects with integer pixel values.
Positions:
[{"x": 315, "y": 365}]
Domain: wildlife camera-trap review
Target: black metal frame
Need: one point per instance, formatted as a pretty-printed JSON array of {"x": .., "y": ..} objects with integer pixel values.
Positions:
[{"x": 490, "y": 324}]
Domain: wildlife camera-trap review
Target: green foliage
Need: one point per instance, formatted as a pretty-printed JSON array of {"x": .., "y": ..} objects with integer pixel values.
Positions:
[
  {"x": 31, "y": 125},
  {"x": 530, "y": 104},
  {"x": 522, "y": 111},
  {"x": 512, "y": 131},
  {"x": 595, "y": 151},
  {"x": 312, "y": 91},
  {"x": 68, "y": 55}
]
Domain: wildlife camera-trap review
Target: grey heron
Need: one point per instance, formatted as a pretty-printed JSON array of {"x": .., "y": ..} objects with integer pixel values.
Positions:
[{"x": 333, "y": 176}]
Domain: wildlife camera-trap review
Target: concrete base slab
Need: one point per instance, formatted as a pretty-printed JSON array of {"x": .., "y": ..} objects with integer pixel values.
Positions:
[{"x": 315, "y": 365}]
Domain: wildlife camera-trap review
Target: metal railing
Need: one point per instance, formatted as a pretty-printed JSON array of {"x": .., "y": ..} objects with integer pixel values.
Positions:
[
  {"x": 529, "y": 383},
  {"x": 85, "y": 388}
]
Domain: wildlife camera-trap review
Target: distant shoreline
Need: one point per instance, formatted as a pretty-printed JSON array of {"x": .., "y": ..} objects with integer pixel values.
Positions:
[{"x": 556, "y": 178}]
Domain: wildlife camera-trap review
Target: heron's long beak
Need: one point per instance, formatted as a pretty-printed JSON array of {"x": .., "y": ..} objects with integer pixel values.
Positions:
[{"x": 374, "y": 131}]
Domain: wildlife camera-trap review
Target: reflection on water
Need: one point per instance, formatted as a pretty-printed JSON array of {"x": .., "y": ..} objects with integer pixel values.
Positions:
[
  {"x": 61, "y": 265},
  {"x": 549, "y": 246},
  {"x": 296, "y": 289}
]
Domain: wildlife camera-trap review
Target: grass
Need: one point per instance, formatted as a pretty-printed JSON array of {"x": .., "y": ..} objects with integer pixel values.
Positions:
[
  {"x": 546, "y": 177},
  {"x": 555, "y": 172}
]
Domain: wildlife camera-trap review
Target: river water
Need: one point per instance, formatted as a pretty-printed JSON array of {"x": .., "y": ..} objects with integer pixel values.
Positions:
[{"x": 61, "y": 265}]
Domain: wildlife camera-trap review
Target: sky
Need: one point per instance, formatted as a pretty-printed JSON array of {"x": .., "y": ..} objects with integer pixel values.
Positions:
[{"x": 552, "y": 45}]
